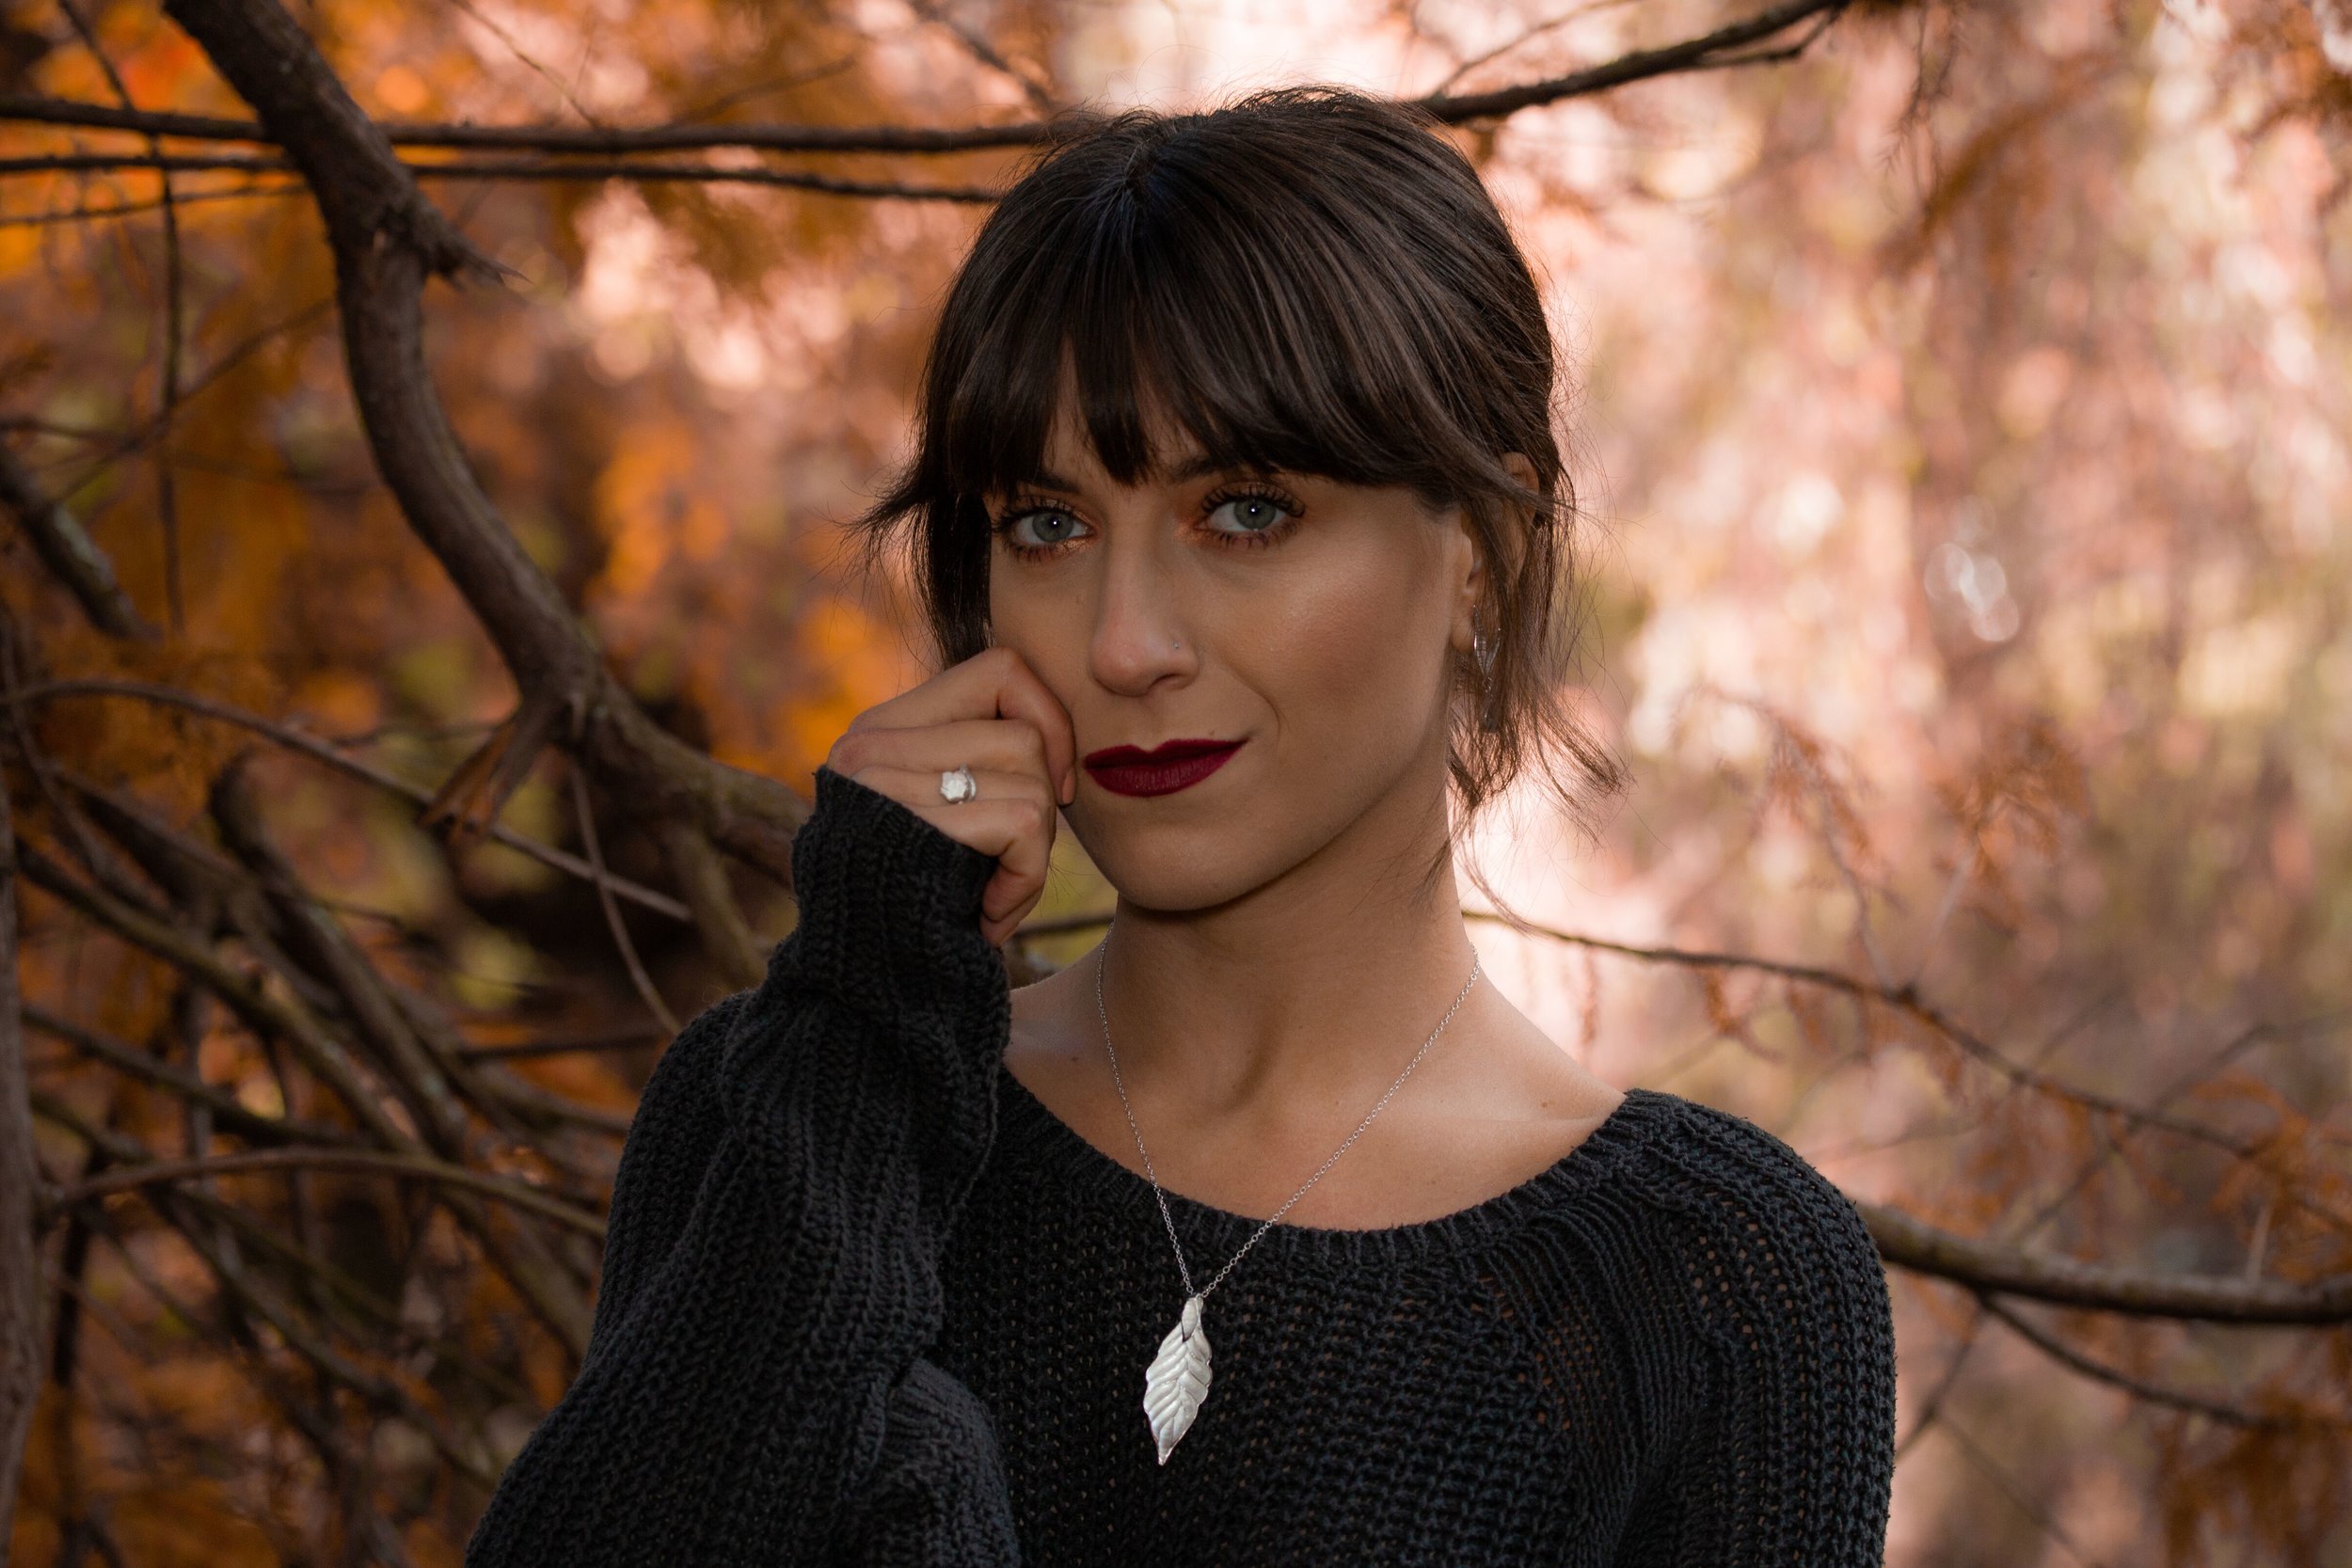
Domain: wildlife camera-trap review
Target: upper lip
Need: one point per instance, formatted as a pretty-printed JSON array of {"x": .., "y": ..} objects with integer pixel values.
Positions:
[{"x": 1167, "y": 750}]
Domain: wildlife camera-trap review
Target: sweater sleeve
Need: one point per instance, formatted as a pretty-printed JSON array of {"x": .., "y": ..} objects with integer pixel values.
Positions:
[
  {"x": 755, "y": 1389},
  {"x": 1786, "y": 1453}
]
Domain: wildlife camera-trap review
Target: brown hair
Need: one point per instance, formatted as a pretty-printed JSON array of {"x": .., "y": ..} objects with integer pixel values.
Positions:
[{"x": 1308, "y": 279}]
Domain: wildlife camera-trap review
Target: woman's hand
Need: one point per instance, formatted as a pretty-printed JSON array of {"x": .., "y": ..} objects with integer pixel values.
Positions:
[{"x": 992, "y": 713}]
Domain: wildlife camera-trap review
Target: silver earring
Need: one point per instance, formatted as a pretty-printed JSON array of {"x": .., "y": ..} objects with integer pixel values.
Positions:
[{"x": 1482, "y": 650}]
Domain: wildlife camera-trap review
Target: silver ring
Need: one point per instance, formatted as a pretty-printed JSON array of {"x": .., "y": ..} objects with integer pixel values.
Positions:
[{"x": 957, "y": 786}]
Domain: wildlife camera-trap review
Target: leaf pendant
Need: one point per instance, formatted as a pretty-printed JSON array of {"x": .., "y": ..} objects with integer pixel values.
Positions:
[{"x": 1177, "y": 1381}]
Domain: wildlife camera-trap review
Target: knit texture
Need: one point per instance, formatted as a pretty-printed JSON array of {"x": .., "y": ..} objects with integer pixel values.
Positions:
[{"x": 867, "y": 1301}]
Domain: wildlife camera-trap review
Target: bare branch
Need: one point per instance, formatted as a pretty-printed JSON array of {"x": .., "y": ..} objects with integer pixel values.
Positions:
[
  {"x": 87, "y": 213},
  {"x": 2065, "y": 1354},
  {"x": 312, "y": 746},
  {"x": 1702, "y": 53},
  {"x": 537, "y": 1274},
  {"x": 2016, "y": 1493},
  {"x": 1525, "y": 37},
  {"x": 167, "y": 397},
  {"x": 283, "y": 1015},
  {"x": 699, "y": 174},
  {"x": 388, "y": 241},
  {"x": 72, "y": 556},
  {"x": 1040, "y": 95},
  {"x": 1931, "y": 1406},
  {"x": 1902, "y": 998},
  {"x": 428, "y": 1086},
  {"x": 702, "y": 877},
  {"x": 232, "y": 1113},
  {"x": 21, "y": 1330},
  {"x": 124, "y": 1178},
  {"x": 1914, "y": 1244},
  {"x": 553, "y": 138},
  {"x": 167, "y": 164},
  {"x": 585, "y": 815},
  {"x": 1691, "y": 54}
]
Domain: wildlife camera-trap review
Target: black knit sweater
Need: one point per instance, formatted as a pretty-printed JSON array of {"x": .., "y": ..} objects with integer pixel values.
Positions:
[{"x": 866, "y": 1300}]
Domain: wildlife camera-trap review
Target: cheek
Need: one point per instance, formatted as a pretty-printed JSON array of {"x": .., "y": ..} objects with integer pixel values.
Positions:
[
  {"x": 1351, "y": 648},
  {"x": 1048, "y": 634}
]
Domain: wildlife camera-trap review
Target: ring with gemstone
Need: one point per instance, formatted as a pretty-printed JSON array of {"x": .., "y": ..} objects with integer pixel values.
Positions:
[{"x": 956, "y": 785}]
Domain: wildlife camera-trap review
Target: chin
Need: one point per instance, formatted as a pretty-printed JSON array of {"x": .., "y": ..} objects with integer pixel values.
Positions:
[{"x": 1176, "y": 870}]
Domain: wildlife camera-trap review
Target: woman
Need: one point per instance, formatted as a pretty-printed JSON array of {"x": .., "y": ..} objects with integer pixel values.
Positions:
[{"x": 1266, "y": 1233}]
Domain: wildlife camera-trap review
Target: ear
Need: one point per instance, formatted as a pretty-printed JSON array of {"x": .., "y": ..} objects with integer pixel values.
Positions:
[
  {"x": 1475, "y": 588},
  {"x": 1470, "y": 580}
]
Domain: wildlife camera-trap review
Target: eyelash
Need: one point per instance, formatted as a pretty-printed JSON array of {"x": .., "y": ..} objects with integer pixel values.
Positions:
[{"x": 1258, "y": 539}]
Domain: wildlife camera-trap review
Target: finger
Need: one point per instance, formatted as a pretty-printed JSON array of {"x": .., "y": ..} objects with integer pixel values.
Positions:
[
  {"x": 1012, "y": 818},
  {"x": 995, "y": 683},
  {"x": 1022, "y": 695},
  {"x": 1006, "y": 745}
]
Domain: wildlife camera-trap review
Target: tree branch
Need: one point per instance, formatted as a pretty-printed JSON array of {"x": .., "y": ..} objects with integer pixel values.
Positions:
[
  {"x": 388, "y": 241},
  {"x": 21, "y": 1330},
  {"x": 124, "y": 1178},
  {"x": 1703, "y": 53},
  {"x": 232, "y": 1113},
  {"x": 167, "y": 164},
  {"x": 312, "y": 746},
  {"x": 1914, "y": 1244},
  {"x": 72, "y": 556},
  {"x": 1903, "y": 998},
  {"x": 2065, "y": 1354},
  {"x": 537, "y": 1273},
  {"x": 1691, "y": 54},
  {"x": 167, "y": 392}
]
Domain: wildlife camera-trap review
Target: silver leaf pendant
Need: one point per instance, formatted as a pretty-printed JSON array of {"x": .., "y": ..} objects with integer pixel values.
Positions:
[{"x": 1177, "y": 1381}]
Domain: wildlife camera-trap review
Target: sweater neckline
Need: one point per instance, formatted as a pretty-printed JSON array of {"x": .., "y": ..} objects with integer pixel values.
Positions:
[{"x": 1093, "y": 1175}]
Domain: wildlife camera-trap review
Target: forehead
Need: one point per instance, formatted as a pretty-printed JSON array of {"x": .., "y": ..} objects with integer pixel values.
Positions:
[{"x": 1067, "y": 458}]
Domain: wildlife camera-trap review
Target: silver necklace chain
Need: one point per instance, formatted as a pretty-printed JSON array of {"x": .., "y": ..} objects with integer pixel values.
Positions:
[{"x": 1268, "y": 1224}]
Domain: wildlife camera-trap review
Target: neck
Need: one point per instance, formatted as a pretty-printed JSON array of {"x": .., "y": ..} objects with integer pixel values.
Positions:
[{"x": 1308, "y": 994}]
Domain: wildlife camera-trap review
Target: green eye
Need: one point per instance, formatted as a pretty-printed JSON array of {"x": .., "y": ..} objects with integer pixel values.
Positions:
[
  {"x": 1048, "y": 520},
  {"x": 1256, "y": 514},
  {"x": 1055, "y": 523},
  {"x": 1263, "y": 517}
]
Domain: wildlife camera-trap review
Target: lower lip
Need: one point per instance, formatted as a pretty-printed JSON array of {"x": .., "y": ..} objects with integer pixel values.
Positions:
[{"x": 1160, "y": 778}]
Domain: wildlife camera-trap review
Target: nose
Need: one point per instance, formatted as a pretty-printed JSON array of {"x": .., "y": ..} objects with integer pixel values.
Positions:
[{"x": 1140, "y": 636}]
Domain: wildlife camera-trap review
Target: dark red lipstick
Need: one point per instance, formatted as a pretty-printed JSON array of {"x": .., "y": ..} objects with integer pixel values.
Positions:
[{"x": 1165, "y": 769}]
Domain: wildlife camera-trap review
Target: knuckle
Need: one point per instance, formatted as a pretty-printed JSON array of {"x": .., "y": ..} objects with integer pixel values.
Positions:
[{"x": 847, "y": 752}]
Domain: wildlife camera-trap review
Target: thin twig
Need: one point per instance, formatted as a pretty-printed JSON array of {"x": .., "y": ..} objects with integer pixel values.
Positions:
[
  {"x": 637, "y": 975},
  {"x": 2008, "y": 1489},
  {"x": 88, "y": 213},
  {"x": 1528, "y": 36},
  {"x": 511, "y": 168},
  {"x": 1932, "y": 1407},
  {"x": 1704, "y": 52},
  {"x": 166, "y": 486},
  {"x": 2058, "y": 1350},
  {"x": 294, "y": 740},
  {"x": 414, "y": 1167}
]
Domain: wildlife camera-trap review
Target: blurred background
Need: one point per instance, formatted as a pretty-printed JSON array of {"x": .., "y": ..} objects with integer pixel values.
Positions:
[{"x": 1962, "y": 411}]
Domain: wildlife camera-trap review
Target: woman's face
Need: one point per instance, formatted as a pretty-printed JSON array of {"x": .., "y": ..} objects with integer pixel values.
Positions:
[{"x": 1305, "y": 619}]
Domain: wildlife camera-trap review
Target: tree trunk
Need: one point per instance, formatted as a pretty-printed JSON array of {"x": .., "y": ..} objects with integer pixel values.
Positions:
[{"x": 21, "y": 1329}]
